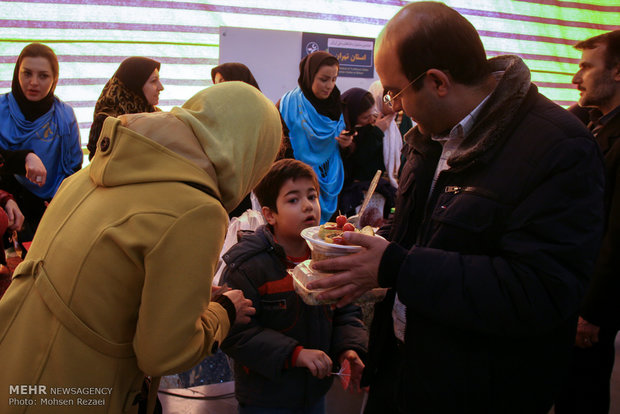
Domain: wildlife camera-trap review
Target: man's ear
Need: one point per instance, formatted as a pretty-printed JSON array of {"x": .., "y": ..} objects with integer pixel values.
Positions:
[
  {"x": 269, "y": 215},
  {"x": 440, "y": 81},
  {"x": 616, "y": 73}
]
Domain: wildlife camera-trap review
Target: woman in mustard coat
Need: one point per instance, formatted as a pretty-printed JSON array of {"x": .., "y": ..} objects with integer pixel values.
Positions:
[{"x": 117, "y": 282}]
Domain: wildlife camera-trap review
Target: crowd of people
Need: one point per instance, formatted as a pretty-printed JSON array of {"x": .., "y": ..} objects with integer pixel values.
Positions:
[{"x": 500, "y": 231}]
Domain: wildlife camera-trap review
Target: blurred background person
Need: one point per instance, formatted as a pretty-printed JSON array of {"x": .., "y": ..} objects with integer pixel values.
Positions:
[
  {"x": 233, "y": 71},
  {"x": 392, "y": 136},
  {"x": 364, "y": 157},
  {"x": 314, "y": 126},
  {"x": 33, "y": 120},
  {"x": 587, "y": 387},
  {"x": 134, "y": 88}
]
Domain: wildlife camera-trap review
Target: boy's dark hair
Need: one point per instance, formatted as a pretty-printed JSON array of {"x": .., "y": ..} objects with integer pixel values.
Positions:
[
  {"x": 441, "y": 39},
  {"x": 269, "y": 187},
  {"x": 609, "y": 39}
]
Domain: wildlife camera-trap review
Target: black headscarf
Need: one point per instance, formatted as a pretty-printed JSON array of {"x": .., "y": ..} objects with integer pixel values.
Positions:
[
  {"x": 308, "y": 67},
  {"x": 33, "y": 110},
  {"x": 355, "y": 103},
  {"x": 135, "y": 71},
  {"x": 234, "y": 71}
]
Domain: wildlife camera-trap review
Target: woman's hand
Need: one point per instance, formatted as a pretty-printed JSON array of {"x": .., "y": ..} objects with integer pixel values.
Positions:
[
  {"x": 345, "y": 140},
  {"x": 243, "y": 306},
  {"x": 35, "y": 170},
  {"x": 383, "y": 121},
  {"x": 317, "y": 361},
  {"x": 16, "y": 218}
]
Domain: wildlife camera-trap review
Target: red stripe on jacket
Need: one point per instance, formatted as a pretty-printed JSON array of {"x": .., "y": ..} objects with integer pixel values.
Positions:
[{"x": 277, "y": 286}]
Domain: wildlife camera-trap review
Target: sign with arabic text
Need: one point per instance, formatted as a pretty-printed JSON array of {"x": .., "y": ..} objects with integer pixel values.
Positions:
[{"x": 355, "y": 54}]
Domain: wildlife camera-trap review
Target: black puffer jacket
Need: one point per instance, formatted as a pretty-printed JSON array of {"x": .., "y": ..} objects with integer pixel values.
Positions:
[
  {"x": 602, "y": 302},
  {"x": 493, "y": 266},
  {"x": 262, "y": 348}
]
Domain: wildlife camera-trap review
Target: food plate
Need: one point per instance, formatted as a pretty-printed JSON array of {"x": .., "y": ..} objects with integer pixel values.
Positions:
[{"x": 311, "y": 234}]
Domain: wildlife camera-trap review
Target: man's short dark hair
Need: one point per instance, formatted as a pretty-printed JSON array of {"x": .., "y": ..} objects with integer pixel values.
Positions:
[
  {"x": 438, "y": 37},
  {"x": 269, "y": 187},
  {"x": 611, "y": 40}
]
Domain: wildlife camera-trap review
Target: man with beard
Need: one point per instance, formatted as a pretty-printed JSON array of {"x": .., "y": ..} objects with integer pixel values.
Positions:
[{"x": 598, "y": 80}]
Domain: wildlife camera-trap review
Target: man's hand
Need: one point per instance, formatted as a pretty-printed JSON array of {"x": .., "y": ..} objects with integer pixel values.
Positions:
[
  {"x": 317, "y": 361},
  {"x": 35, "y": 170},
  {"x": 358, "y": 272},
  {"x": 357, "y": 367},
  {"x": 587, "y": 334},
  {"x": 16, "y": 218},
  {"x": 243, "y": 306}
]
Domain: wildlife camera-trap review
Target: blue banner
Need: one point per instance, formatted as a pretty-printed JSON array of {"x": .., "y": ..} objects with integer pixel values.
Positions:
[{"x": 355, "y": 54}]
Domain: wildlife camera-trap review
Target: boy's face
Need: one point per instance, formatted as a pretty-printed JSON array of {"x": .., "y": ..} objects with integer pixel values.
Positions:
[{"x": 298, "y": 208}]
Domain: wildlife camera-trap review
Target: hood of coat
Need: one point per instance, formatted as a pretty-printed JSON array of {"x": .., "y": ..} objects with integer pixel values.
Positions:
[
  {"x": 498, "y": 115},
  {"x": 225, "y": 137}
]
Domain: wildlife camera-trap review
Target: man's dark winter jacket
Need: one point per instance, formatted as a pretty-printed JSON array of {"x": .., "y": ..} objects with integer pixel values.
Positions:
[
  {"x": 492, "y": 267},
  {"x": 263, "y": 348},
  {"x": 602, "y": 302}
]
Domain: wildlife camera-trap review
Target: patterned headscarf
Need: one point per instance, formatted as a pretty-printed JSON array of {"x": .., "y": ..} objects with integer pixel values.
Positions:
[{"x": 122, "y": 94}]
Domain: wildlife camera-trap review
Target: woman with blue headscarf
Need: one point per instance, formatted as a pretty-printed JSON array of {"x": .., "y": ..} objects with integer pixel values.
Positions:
[
  {"x": 312, "y": 113},
  {"x": 32, "y": 118}
]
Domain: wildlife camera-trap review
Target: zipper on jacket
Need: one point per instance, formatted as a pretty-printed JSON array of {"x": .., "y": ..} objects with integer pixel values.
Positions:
[
  {"x": 429, "y": 207},
  {"x": 454, "y": 189},
  {"x": 450, "y": 189}
]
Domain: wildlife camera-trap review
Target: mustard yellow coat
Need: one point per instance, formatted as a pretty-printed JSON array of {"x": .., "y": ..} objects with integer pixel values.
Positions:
[{"x": 117, "y": 282}]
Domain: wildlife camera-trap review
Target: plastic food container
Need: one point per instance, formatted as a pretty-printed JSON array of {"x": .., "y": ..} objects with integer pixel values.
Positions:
[
  {"x": 303, "y": 274},
  {"x": 323, "y": 250}
]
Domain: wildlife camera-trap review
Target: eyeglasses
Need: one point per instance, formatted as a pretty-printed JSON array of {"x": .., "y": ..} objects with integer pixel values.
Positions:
[{"x": 389, "y": 100}]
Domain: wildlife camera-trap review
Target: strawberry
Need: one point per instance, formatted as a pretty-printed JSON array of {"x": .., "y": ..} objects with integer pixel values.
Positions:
[
  {"x": 348, "y": 227},
  {"x": 339, "y": 240},
  {"x": 341, "y": 221}
]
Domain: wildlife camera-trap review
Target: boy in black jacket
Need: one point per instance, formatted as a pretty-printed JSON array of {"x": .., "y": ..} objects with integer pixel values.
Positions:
[{"x": 283, "y": 357}]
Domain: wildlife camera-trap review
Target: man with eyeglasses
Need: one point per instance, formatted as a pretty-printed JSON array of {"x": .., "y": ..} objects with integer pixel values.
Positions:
[{"x": 497, "y": 224}]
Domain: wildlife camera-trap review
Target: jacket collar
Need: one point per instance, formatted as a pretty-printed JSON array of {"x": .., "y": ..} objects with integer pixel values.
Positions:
[
  {"x": 251, "y": 244},
  {"x": 609, "y": 133},
  {"x": 496, "y": 118}
]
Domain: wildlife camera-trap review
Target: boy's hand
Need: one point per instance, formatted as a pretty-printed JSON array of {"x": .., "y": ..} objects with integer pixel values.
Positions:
[
  {"x": 317, "y": 361},
  {"x": 243, "y": 306},
  {"x": 357, "y": 367}
]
